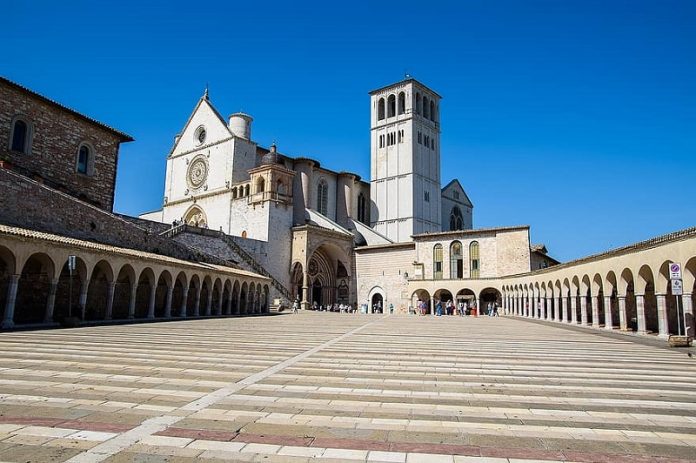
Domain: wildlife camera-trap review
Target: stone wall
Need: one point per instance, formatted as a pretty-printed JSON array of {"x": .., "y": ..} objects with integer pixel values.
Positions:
[
  {"x": 57, "y": 136},
  {"x": 29, "y": 204},
  {"x": 373, "y": 276}
]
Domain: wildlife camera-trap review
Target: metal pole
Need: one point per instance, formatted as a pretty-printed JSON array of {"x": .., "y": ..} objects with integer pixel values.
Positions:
[{"x": 70, "y": 293}]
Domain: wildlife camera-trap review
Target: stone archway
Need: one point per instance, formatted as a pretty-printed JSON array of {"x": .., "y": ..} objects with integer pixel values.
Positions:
[{"x": 196, "y": 217}]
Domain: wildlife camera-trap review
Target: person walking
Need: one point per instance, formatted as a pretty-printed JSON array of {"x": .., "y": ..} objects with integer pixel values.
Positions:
[
  {"x": 296, "y": 306},
  {"x": 438, "y": 308}
]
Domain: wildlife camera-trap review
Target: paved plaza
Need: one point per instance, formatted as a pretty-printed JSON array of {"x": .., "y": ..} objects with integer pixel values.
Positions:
[{"x": 339, "y": 387}]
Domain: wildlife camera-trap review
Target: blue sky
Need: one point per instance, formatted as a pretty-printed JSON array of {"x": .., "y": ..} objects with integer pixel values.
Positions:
[{"x": 575, "y": 117}]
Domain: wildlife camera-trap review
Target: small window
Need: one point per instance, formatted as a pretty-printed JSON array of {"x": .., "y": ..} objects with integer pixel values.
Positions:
[
  {"x": 83, "y": 159},
  {"x": 391, "y": 106},
  {"x": 20, "y": 141},
  {"x": 432, "y": 110},
  {"x": 474, "y": 259},
  {"x": 426, "y": 107},
  {"x": 437, "y": 262},
  {"x": 200, "y": 135},
  {"x": 380, "y": 109},
  {"x": 418, "y": 103},
  {"x": 402, "y": 103},
  {"x": 426, "y": 196},
  {"x": 323, "y": 197}
]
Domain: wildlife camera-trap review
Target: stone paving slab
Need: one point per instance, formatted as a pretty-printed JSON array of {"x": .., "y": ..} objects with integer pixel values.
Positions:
[{"x": 339, "y": 387}]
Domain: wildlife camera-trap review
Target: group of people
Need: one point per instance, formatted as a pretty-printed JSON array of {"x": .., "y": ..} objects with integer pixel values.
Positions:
[
  {"x": 462, "y": 309},
  {"x": 336, "y": 307}
]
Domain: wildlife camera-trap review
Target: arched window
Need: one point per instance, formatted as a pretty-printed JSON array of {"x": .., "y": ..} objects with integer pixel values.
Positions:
[
  {"x": 85, "y": 158},
  {"x": 437, "y": 262},
  {"x": 196, "y": 218},
  {"x": 402, "y": 103},
  {"x": 426, "y": 106},
  {"x": 260, "y": 185},
  {"x": 246, "y": 190},
  {"x": 20, "y": 140},
  {"x": 418, "y": 103},
  {"x": 323, "y": 197},
  {"x": 362, "y": 208},
  {"x": 456, "y": 219},
  {"x": 456, "y": 260},
  {"x": 380, "y": 109},
  {"x": 280, "y": 188},
  {"x": 432, "y": 111},
  {"x": 474, "y": 259},
  {"x": 234, "y": 193},
  {"x": 391, "y": 106}
]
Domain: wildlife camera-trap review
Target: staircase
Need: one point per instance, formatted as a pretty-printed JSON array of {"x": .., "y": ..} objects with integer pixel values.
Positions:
[
  {"x": 245, "y": 256},
  {"x": 251, "y": 262}
]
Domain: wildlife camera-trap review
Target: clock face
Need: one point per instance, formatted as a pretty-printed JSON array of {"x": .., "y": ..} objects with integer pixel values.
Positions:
[{"x": 197, "y": 172}]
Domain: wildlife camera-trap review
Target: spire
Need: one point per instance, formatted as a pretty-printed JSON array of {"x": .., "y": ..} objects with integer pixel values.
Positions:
[{"x": 205, "y": 94}]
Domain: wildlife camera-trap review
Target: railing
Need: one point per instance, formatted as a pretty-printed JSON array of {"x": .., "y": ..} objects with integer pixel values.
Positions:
[
  {"x": 268, "y": 196},
  {"x": 175, "y": 230},
  {"x": 249, "y": 259}
]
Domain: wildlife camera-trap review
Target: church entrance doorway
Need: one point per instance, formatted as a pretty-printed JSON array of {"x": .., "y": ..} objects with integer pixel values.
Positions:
[
  {"x": 377, "y": 303},
  {"x": 316, "y": 293}
]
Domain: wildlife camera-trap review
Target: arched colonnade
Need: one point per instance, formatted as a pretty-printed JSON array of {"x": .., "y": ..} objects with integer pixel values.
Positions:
[{"x": 36, "y": 286}]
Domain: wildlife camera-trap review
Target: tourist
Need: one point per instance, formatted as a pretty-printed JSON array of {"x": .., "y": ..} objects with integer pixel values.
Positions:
[
  {"x": 391, "y": 308},
  {"x": 438, "y": 308},
  {"x": 296, "y": 305}
]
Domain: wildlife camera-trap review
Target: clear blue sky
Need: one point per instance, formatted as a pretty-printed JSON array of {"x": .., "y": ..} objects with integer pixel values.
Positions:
[{"x": 575, "y": 117}]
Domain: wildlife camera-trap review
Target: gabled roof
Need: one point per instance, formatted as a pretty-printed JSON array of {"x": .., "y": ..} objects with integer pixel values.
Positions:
[
  {"x": 201, "y": 101},
  {"x": 455, "y": 182},
  {"x": 123, "y": 136}
]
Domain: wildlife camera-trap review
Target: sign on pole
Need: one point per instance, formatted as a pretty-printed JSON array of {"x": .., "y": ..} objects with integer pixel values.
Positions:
[
  {"x": 675, "y": 271},
  {"x": 677, "y": 288}
]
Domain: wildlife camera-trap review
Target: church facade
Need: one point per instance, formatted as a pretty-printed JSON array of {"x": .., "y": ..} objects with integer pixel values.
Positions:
[{"x": 310, "y": 227}]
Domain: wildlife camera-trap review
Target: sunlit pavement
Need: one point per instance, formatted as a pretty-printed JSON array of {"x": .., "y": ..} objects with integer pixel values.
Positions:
[{"x": 340, "y": 387}]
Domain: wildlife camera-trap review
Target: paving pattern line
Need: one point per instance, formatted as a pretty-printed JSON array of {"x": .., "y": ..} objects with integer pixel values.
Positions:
[{"x": 157, "y": 424}]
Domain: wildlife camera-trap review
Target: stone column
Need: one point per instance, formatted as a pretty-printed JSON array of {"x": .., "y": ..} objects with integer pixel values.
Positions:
[
  {"x": 8, "y": 320},
  {"x": 557, "y": 311},
  {"x": 82, "y": 303},
  {"x": 51, "y": 302},
  {"x": 432, "y": 306},
  {"x": 184, "y": 301},
  {"x": 688, "y": 311},
  {"x": 305, "y": 291},
  {"x": 218, "y": 309},
  {"x": 595, "y": 311},
  {"x": 549, "y": 303},
  {"x": 131, "y": 305},
  {"x": 608, "y": 320},
  {"x": 530, "y": 305},
  {"x": 623, "y": 323},
  {"x": 197, "y": 308},
  {"x": 574, "y": 309},
  {"x": 228, "y": 308},
  {"x": 542, "y": 302},
  {"x": 662, "y": 323},
  {"x": 110, "y": 301},
  {"x": 514, "y": 305},
  {"x": 168, "y": 304},
  {"x": 583, "y": 310},
  {"x": 640, "y": 313},
  {"x": 564, "y": 303},
  {"x": 209, "y": 305},
  {"x": 151, "y": 304}
]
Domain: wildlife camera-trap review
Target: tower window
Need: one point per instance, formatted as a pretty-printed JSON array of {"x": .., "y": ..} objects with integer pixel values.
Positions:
[
  {"x": 380, "y": 109},
  {"x": 402, "y": 103},
  {"x": 426, "y": 196},
  {"x": 391, "y": 106},
  {"x": 323, "y": 197},
  {"x": 426, "y": 106},
  {"x": 418, "y": 103},
  {"x": 20, "y": 140},
  {"x": 420, "y": 138},
  {"x": 432, "y": 110}
]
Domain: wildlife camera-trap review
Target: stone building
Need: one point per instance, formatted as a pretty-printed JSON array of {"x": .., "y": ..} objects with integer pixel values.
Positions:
[
  {"x": 57, "y": 174},
  {"x": 305, "y": 226}
]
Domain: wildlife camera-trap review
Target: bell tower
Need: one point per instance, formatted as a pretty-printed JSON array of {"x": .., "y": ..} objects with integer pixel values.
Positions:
[{"x": 405, "y": 160}]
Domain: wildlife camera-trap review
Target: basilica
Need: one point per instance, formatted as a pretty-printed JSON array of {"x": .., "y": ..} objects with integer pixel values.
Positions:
[{"x": 317, "y": 232}]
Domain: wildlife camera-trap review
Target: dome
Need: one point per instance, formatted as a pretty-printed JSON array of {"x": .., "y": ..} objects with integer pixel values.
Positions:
[{"x": 271, "y": 157}]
